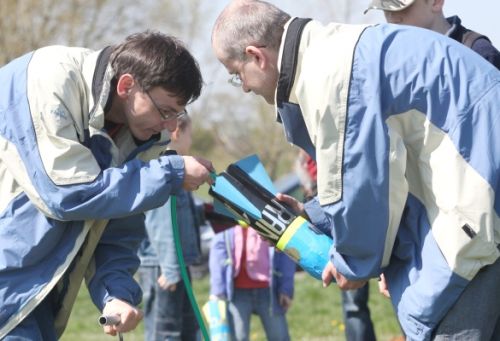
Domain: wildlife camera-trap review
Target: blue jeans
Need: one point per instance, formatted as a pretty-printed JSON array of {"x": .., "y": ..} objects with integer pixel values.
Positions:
[
  {"x": 256, "y": 301},
  {"x": 168, "y": 315},
  {"x": 358, "y": 324},
  {"x": 476, "y": 314}
]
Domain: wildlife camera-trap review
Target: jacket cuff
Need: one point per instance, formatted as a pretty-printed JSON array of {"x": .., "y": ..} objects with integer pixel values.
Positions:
[
  {"x": 317, "y": 216},
  {"x": 176, "y": 167}
]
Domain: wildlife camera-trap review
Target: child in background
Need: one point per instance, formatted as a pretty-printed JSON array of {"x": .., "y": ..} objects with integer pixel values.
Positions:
[
  {"x": 168, "y": 313},
  {"x": 254, "y": 278}
]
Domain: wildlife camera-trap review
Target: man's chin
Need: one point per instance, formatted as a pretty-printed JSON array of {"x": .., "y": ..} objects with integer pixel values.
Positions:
[
  {"x": 142, "y": 136},
  {"x": 270, "y": 100}
]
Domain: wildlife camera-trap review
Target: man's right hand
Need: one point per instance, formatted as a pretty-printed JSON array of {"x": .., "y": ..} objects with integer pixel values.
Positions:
[
  {"x": 196, "y": 172},
  {"x": 293, "y": 203},
  {"x": 129, "y": 316}
]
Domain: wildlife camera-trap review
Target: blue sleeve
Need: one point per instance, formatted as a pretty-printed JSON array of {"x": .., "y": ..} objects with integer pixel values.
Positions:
[
  {"x": 284, "y": 274},
  {"x": 218, "y": 264},
  {"x": 116, "y": 262},
  {"x": 135, "y": 187},
  {"x": 317, "y": 216}
]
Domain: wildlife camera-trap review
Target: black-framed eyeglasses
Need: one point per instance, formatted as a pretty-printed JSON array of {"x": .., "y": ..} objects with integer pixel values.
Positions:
[{"x": 166, "y": 116}]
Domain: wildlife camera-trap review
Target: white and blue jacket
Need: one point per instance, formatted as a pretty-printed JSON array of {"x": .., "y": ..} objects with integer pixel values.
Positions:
[
  {"x": 71, "y": 198},
  {"x": 404, "y": 124}
]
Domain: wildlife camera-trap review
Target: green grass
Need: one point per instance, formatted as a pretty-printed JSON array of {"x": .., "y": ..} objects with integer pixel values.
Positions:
[{"x": 315, "y": 315}]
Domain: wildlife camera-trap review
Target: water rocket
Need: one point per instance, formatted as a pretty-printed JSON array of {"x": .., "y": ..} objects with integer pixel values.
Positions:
[{"x": 246, "y": 193}]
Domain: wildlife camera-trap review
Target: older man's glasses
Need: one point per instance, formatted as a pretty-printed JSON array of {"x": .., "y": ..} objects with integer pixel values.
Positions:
[
  {"x": 235, "y": 80},
  {"x": 166, "y": 115}
]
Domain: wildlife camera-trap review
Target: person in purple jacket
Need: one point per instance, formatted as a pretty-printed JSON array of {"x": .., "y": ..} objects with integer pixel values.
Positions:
[{"x": 254, "y": 278}]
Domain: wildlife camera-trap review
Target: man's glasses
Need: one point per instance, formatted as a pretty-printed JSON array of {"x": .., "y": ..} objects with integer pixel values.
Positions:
[
  {"x": 235, "y": 80},
  {"x": 166, "y": 116}
]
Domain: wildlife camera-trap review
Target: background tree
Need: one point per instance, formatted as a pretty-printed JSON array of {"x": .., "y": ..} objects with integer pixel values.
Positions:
[
  {"x": 227, "y": 124},
  {"x": 29, "y": 24}
]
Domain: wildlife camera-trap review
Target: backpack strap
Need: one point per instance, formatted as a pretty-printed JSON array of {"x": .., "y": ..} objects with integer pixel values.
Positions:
[{"x": 470, "y": 37}]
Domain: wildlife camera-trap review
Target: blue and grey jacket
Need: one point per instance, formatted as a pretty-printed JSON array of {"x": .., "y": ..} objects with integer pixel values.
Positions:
[
  {"x": 404, "y": 124},
  {"x": 70, "y": 196}
]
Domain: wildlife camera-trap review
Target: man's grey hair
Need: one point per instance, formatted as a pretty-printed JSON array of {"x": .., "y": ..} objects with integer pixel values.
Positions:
[{"x": 248, "y": 22}]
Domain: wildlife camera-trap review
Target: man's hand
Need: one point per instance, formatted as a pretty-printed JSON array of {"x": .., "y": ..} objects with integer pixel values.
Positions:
[
  {"x": 383, "y": 288},
  {"x": 196, "y": 172},
  {"x": 129, "y": 316},
  {"x": 293, "y": 203},
  {"x": 285, "y": 301},
  {"x": 165, "y": 285},
  {"x": 330, "y": 272}
]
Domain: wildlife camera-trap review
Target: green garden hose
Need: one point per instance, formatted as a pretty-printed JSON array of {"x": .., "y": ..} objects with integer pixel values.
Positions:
[{"x": 183, "y": 268}]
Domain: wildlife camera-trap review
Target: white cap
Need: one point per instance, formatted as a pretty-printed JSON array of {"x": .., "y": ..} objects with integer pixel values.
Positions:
[{"x": 389, "y": 5}]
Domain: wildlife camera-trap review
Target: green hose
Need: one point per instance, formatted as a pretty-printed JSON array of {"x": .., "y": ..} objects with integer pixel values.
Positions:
[{"x": 182, "y": 265}]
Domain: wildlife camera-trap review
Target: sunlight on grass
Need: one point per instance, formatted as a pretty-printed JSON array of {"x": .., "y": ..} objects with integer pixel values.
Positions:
[{"x": 316, "y": 314}]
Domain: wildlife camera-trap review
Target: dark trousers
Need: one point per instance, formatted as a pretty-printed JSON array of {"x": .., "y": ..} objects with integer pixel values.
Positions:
[{"x": 358, "y": 324}]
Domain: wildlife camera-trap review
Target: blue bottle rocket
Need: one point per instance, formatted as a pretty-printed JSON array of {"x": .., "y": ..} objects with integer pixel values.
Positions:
[{"x": 246, "y": 193}]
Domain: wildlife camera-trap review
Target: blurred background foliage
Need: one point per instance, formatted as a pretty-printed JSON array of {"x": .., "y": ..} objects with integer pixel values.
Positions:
[{"x": 228, "y": 125}]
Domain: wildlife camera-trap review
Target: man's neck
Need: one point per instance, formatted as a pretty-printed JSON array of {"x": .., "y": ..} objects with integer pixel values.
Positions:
[
  {"x": 115, "y": 113},
  {"x": 440, "y": 24}
]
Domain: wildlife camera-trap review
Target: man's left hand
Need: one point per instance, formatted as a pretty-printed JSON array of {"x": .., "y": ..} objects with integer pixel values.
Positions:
[{"x": 330, "y": 273}]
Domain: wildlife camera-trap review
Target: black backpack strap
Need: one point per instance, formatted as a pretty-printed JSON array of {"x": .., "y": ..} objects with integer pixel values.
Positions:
[{"x": 470, "y": 37}]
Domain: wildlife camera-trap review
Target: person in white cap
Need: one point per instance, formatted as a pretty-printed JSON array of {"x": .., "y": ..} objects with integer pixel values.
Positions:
[{"x": 429, "y": 14}]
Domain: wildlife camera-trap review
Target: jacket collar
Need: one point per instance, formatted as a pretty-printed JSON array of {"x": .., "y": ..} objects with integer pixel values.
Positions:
[
  {"x": 290, "y": 114},
  {"x": 315, "y": 63},
  {"x": 100, "y": 86}
]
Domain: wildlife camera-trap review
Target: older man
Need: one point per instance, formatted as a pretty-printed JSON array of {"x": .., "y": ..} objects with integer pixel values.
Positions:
[{"x": 403, "y": 123}]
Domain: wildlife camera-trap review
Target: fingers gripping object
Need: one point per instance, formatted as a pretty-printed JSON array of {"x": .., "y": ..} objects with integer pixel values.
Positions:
[
  {"x": 245, "y": 192},
  {"x": 110, "y": 320}
]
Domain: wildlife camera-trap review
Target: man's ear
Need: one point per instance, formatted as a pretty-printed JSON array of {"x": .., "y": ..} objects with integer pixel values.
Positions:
[
  {"x": 125, "y": 84},
  {"x": 257, "y": 54},
  {"x": 437, "y": 5}
]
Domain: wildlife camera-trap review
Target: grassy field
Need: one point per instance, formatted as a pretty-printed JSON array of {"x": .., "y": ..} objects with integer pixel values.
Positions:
[{"x": 315, "y": 315}]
